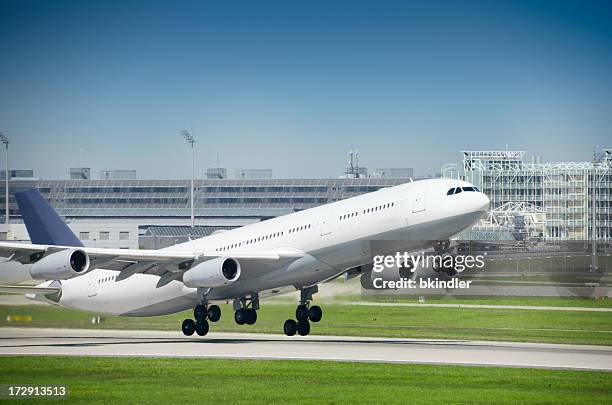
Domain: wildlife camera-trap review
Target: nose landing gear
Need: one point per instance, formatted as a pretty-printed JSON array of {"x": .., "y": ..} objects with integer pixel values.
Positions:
[{"x": 304, "y": 313}]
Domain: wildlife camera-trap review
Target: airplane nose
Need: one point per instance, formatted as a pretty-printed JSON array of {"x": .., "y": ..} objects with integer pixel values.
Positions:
[{"x": 483, "y": 202}]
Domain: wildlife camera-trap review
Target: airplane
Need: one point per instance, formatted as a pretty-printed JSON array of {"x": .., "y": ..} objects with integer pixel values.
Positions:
[{"x": 296, "y": 251}]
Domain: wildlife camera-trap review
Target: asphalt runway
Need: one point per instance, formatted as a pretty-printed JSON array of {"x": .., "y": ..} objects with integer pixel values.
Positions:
[{"x": 87, "y": 342}]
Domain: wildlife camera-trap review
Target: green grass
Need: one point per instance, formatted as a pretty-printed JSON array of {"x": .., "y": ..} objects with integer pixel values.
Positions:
[
  {"x": 339, "y": 319},
  {"x": 142, "y": 380},
  {"x": 602, "y": 302},
  {"x": 555, "y": 264}
]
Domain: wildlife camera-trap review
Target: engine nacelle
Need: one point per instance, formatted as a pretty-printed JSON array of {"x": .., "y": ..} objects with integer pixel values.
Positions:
[
  {"x": 393, "y": 273},
  {"x": 61, "y": 265},
  {"x": 213, "y": 273}
]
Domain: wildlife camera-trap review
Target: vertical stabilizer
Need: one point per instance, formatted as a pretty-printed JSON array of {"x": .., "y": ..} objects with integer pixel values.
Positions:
[{"x": 44, "y": 225}]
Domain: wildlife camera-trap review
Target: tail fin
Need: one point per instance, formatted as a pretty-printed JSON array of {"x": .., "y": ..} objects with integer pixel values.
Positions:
[{"x": 44, "y": 225}]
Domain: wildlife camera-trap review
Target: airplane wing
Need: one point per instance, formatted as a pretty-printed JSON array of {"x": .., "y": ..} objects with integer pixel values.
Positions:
[{"x": 138, "y": 261}]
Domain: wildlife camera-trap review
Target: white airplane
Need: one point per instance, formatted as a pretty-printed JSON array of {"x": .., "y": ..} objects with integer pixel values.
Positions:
[{"x": 298, "y": 250}]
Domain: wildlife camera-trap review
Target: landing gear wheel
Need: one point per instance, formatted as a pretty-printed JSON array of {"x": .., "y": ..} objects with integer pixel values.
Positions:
[
  {"x": 214, "y": 313},
  {"x": 303, "y": 328},
  {"x": 199, "y": 313},
  {"x": 201, "y": 328},
  {"x": 301, "y": 313},
  {"x": 290, "y": 327},
  {"x": 188, "y": 327},
  {"x": 251, "y": 317},
  {"x": 315, "y": 313},
  {"x": 240, "y": 317}
]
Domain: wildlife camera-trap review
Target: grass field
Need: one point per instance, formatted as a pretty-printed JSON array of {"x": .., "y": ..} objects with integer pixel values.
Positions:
[
  {"x": 602, "y": 302},
  {"x": 339, "y": 319},
  {"x": 141, "y": 380}
]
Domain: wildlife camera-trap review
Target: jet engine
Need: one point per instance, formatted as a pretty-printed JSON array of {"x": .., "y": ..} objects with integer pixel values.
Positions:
[
  {"x": 61, "y": 265},
  {"x": 217, "y": 272}
]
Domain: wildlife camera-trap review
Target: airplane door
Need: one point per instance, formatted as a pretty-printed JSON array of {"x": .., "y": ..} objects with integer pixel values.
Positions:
[
  {"x": 325, "y": 227},
  {"x": 92, "y": 288},
  {"x": 418, "y": 204}
]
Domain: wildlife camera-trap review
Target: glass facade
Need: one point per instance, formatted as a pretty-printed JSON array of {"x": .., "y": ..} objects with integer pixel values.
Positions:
[{"x": 213, "y": 197}]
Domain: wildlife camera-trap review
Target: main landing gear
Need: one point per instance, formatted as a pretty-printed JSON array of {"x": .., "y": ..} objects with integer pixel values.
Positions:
[
  {"x": 304, "y": 313},
  {"x": 246, "y": 310},
  {"x": 202, "y": 314}
]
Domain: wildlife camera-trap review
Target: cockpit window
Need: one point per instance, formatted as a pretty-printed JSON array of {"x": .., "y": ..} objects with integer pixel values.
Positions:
[{"x": 457, "y": 190}]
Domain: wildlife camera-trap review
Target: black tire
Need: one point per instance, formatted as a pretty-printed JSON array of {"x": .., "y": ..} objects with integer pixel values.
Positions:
[
  {"x": 303, "y": 328},
  {"x": 240, "y": 317},
  {"x": 251, "y": 317},
  {"x": 188, "y": 327},
  {"x": 214, "y": 313},
  {"x": 290, "y": 327},
  {"x": 199, "y": 313},
  {"x": 301, "y": 313},
  {"x": 315, "y": 313},
  {"x": 451, "y": 273},
  {"x": 201, "y": 328}
]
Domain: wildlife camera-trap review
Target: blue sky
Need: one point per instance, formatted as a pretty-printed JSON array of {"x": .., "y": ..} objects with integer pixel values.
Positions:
[{"x": 293, "y": 85}]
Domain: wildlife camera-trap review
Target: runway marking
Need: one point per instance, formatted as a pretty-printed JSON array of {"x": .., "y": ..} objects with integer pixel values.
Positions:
[{"x": 126, "y": 343}]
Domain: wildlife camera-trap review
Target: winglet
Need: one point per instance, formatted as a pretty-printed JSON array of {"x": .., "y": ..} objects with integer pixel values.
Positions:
[{"x": 44, "y": 225}]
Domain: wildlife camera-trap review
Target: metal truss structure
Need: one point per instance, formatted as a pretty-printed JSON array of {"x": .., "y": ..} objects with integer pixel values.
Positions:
[
  {"x": 576, "y": 197},
  {"x": 521, "y": 219}
]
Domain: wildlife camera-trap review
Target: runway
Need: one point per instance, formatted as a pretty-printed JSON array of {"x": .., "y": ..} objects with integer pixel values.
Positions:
[{"x": 86, "y": 342}]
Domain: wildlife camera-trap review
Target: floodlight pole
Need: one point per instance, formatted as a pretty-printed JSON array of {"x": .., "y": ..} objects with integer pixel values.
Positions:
[
  {"x": 5, "y": 141},
  {"x": 189, "y": 138},
  {"x": 192, "y": 182},
  {"x": 597, "y": 158}
]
